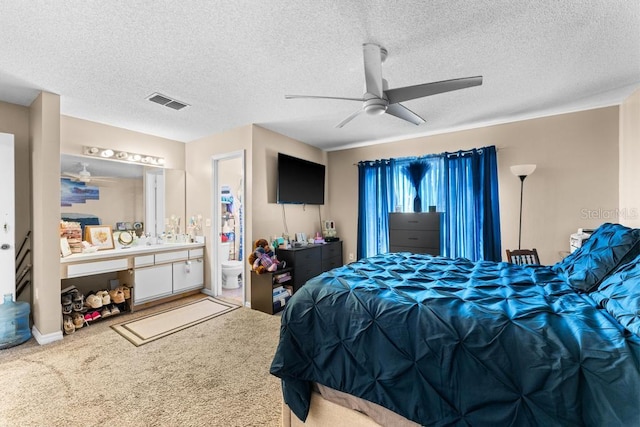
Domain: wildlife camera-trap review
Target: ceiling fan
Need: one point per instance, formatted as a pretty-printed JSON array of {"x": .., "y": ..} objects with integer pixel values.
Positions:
[
  {"x": 379, "y": 99},
  {"x": 84, "y": 175}
]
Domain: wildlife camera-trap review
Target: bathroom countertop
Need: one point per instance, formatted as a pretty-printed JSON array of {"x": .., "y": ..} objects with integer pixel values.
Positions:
[{"x": 131, "y": 250}]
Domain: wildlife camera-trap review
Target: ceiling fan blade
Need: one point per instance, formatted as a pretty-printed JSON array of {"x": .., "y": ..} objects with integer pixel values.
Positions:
[
  {"x": 373, "y": 69},
  {"x": 418, "y": 91},
  {"x": 404, "y": 113},
  {"x": 322, "y": 97},
  {"x": 351, "y": 117}
]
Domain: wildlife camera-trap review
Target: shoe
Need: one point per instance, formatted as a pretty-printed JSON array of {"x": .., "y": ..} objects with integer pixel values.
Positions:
[
  {"x": 67, "y": 308},
  {"x": 94, "y": 301},
  {"x": 95, "y": 315},
  {"x": 68, "y": 325},
  {"x": 106, "y": 299},
  {"x": 105, "y": 312},
  {"x": 78, "y": 302},
  {"x": 126, "y": 291},
  {"x": 115, "y": 310},
  {"x": 78, "y": 320},
  {"x": 67, "y": 305},
  {"x": 88, "y": 317},
  {"x": 117, "y": 295}
]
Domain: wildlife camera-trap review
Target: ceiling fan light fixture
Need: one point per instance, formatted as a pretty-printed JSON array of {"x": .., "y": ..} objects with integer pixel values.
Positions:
[
  {"x": 379, "y": 99},
  {"x": 375, "y": 106}
]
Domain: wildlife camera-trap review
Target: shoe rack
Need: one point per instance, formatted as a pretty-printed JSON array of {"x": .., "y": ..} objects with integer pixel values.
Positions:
[{"x": 79, "y": 311}]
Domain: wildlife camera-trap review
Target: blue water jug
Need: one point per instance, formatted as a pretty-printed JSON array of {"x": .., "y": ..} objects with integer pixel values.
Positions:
[{"x": 14, "y": 322}]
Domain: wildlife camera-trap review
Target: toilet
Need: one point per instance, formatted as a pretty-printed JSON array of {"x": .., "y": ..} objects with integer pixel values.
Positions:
[{"x": 230, "y": 269}]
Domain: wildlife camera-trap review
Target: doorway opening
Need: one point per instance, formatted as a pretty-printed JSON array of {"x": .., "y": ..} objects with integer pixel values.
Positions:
[{"x": 228, "y": 230}]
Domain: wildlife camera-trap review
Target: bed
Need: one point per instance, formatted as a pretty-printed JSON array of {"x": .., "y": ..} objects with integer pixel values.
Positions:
[{"x": 439, "y": 341}]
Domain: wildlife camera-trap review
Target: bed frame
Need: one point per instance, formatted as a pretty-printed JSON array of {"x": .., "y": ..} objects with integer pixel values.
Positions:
[{"x": 323, "y": 413}]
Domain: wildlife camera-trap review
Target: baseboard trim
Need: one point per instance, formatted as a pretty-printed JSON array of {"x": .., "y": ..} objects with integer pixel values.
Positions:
[
  {"x": 208, "y": 292},
  {"x": 46, "y": 339}
]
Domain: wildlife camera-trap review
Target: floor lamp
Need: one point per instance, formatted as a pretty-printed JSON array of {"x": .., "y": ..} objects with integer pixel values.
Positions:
[{"x": 522, "y": 171}]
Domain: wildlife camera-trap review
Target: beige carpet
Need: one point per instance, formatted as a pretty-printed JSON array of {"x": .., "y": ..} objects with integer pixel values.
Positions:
[
  {"x": 215, "y": 373},
  {"x": 154, "y": 326}
]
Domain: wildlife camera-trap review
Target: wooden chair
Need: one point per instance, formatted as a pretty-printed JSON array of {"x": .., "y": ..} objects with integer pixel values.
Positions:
[{"x": 523, "y": 256}]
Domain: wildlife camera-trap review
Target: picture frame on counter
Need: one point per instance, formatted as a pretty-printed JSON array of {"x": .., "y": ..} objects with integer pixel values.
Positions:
[
  {"x": 99, "y": 236},
  {"x": 65, "y": 249}
]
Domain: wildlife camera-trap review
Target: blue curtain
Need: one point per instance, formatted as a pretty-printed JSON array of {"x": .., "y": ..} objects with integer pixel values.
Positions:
[
  {"x": 471, "y": 226},
  {"x": 463, "y": 186},
  {"x": 373, "y": 207}
]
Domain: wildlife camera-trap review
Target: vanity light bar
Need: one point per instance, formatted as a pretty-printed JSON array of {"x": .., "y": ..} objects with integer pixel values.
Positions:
[{"x": 124, "y": 156}]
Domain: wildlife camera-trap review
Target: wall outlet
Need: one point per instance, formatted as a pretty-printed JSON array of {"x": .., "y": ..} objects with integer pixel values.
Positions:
[
  {"x": 207, "y": 222},
  {"x": 351, "y": 257}
]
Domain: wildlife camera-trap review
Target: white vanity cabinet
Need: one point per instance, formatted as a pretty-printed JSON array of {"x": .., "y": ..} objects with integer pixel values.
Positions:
[
  {"x": 188, "y": 275},
  {"x": 151, "y": 283},
  {"x": 155, "y": 273},
  {"x": 171, "y": 274}
]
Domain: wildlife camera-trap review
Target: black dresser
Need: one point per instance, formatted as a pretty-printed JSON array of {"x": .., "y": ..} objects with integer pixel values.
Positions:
[
  {"x": 311, "y": 260},
  {"x": 418, "y": 233}
]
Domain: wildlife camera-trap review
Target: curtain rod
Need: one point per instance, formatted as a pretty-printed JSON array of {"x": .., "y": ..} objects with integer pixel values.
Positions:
[{"x": 448, "y": 154}]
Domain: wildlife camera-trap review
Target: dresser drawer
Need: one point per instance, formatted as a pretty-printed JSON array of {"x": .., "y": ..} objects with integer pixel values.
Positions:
[
  {"x": 142, "y": 261},
  {"x": 304, "y": 272},
  {"x": 414, "y": 221},
  {"x": 331, "y": 263},
  {"x": 310, "y": 255},
  {"x": 331, "y": 250},
  {"x": 171, "y": 256},
  {"x": 97, "y": 267},
  {"x": 196, "y": 253},
  {"x": 415, "y": 250},
  {"x": 415, "y": 238}
]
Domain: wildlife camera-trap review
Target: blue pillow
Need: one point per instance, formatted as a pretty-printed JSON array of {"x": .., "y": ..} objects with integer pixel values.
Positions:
[
  {"x": 619, "y": 294},
  {"x": 608, "y": 247}
]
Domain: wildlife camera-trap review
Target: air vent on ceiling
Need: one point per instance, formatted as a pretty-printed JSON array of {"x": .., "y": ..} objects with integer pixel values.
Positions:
[{"x": 166, "y": 101}]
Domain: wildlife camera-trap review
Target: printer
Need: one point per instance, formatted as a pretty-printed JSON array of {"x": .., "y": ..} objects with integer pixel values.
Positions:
[{"x": 576, "y": 240}]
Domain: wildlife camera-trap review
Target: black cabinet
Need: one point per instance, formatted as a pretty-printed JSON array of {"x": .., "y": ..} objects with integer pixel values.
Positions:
[
  {"x": 263, "y": 287},
  {"x": 311, "y": 260},
  {"x": 418, "y": 233}
]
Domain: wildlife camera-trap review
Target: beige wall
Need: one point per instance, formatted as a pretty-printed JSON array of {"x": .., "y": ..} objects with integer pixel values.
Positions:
[
  {"x": 76, "y": 133},
  {"x": 299, "y": 218},
  {"x": 630, "y": 161},
  {"x": 198, "y": 160},
  {"x": 263, "y": 217},
  {"x": 14, "y": 119},
  {"x": 44, "y": 132},
  {"x": 575, "y": 184}
]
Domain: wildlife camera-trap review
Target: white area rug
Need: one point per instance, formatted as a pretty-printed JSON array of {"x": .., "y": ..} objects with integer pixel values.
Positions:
[{"x": 158, "y": 325}]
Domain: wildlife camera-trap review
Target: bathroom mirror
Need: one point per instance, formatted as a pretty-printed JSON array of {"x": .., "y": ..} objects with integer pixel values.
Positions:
[{"x": 116, "y": 192}]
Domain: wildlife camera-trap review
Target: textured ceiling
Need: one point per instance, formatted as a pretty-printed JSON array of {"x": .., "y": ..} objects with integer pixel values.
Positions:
[{"x": 234, "y": 61}]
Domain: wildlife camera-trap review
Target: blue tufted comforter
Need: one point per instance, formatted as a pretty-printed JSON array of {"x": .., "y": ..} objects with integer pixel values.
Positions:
[{"x": 452, "y": 342}]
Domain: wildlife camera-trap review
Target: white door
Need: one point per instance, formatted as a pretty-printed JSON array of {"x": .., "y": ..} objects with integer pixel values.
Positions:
[{"x": 7, "y": 217}]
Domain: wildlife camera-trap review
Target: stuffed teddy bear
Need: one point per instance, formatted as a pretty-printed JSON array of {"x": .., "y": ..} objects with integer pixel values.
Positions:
[{"x": 263, "y": 259}]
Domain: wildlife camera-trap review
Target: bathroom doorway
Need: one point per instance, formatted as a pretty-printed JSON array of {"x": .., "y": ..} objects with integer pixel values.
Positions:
[{"x": 228, "y": 226}]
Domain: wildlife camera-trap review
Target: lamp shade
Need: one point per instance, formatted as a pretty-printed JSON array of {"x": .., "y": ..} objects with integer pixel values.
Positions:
[{"x": 523, "y": 170}]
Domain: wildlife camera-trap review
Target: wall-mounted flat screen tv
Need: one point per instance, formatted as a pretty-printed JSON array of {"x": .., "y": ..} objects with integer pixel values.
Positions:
[{"x": 300, "y": 181}]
